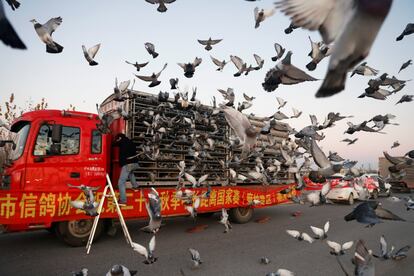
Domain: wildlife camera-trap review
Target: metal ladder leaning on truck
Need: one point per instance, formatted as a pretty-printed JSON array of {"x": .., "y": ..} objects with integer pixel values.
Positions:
[{"x": 54, "y": 148}]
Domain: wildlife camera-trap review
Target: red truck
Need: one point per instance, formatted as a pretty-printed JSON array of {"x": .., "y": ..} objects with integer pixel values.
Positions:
[{"x": 55, "y": 148}]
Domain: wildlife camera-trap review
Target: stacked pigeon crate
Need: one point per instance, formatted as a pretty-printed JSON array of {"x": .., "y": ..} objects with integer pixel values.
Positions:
[{"x": 176, "y": 143}]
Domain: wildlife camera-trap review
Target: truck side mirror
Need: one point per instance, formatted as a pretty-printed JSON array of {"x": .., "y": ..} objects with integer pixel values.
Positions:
[{"x": 56, "y": 133}]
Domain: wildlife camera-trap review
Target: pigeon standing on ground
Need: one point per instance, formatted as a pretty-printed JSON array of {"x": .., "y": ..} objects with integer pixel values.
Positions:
[
  {"x": 151, "y": 49},
  {"x": 161, "y": 4},
  {"x": 409, "y": 29},
  {"x": 153, "y": 78},
  {"x": 406, "y": 98},
  {"x": 195, "y": 257},
  {"x": 300, "y": 236},
  {"x": 208, "y": 43},
  {"x": 284, "y": 73},
  {"x": 45, "y": 32},
  {"x": 137, "y": 65},
  {"x": 91, "y": 53},
  {"x": 279, "y": 52},
  {"x": 7, "y": 33},
  {"x": 364, "y": 70},
  {"x": 120, "y": 270},
  {"x": 281, "y": 272},
  {"x": 351, "y": 25},
  {"x": 338, "y": 249},
  {"x": 147, "y": 253},
  {"x": 405, "y": 65},
  {"x": 321, "y": 233},
  {"x": 189, "y": 68},
  {"x": 261, "y": 15}
]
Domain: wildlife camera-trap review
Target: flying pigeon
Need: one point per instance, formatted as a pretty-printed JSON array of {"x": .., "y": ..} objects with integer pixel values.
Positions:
[
  {"x": 351, "y": 26},
  {"x": 228, "y": 95},
  {"x": 189, "y": 68},
  {"x": 89, "y": 205},
  {"x": 319, "y": 197},
  {"x": 91, "y": 53},
  {"x": 161, "y": 4},
  {"x": 240, "y": 65},
  {"x": 192, "y": 208},
  {"x": 147, "y": 253},
  {"x": 296, "y": 113},
  {"x": 326, "y": 168},
  {"x": 406, "y": 98},
  {"x": 279, "y": 52},
  {"x": 209, "y": 42},
  {"x": 137, "y": 65},
  {"x": 281, "y": 102},
  {"x": 405, "y": 65},
  {"x": 321, "y": 233},
  {"x": 120, "y": 270},
  {"x": 284, "y": 73},
  {"x": 151, "y": 49},
  {"x": 174, "y": 83},
  {"x": 300, "y": 236},
  {"x": 349, "y": 141},
  {"x": 219, "y": 63},
  {"x": 319, "y": 51},
  {"x": 196, "y": 183},
  {"x": 153, "y": 78},
  {"x": 7, "y": 33},
  {"x": 195, "y": 257},
  {"x": 395, "y": 144},
  {"x": 385, "y": 253},
  {"x": 409, "y": 29},
  {"x": 261, "y": 15},
  {"x": 334, "y": 157},
  {"x": 242, "y": 128},
  {"x": 45, "y": 32},
  {"x": 364, "y": 70},
  {"x": 338, "y": 249},
  {"x": 259, "y": 62},
  {"x": 153, "y": 207}
]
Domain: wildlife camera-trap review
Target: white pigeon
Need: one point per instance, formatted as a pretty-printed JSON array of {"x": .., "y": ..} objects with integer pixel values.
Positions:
[
  {"x": 300, "y": 236},
  {"x": 147, "y": 253},
  {"x": 351, "y": 25},
  {"x": 296, "y": 113},
  {"x": 281, "y": 102},
  {"x": 314, "y": 198},
  {"x": 192, "y": 209},
  {"x": 45, "y": 32},
  {"x": 321, "y": 233},
  {"x": 195, "y": 257},
  {"x": 91, "y": 53},
  {"x": 194, "y": 181},
  {"x": 338, "y": 249}
]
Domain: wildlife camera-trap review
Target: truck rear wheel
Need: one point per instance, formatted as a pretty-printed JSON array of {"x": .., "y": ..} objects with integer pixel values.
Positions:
[
  {"x": 241, "y": 214},
  {"x": 76, "y": 232}
]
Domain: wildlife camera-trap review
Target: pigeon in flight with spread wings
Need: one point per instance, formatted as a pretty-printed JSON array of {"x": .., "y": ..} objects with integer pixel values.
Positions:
[
  {"x": 219, "y": 63},
  {"x": 153, "y": 78},
  {"x": 352, "y": 25},
  {"x": 279, "y": 52},
  {"x": 409, "y": 29},
  {"x": 189, "y": 68},
  {"x": 161, "y": 4},
  {"x": 45, "y": 32},
  {"x": 147, "y": 253},
  {"x": 91, "y": 53},
  {"x": 137, "y": 65},
  {"x": 7, "y": 34},
  {"x": 208, "y": 43},
  {"x": 364, "y": 70},
  {"x": 261, "y": 15},
  {"x": 284, "y": 73}
]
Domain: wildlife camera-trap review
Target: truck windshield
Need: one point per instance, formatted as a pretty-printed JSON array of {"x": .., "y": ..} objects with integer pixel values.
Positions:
[{"x": 20, "y": 140}]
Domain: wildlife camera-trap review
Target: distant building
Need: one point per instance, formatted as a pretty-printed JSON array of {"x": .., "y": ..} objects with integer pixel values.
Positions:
[{"x": 383, "y": 165}]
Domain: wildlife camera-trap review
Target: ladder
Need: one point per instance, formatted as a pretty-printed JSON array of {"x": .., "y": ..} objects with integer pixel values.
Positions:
[{"x": 108, "y": 192}]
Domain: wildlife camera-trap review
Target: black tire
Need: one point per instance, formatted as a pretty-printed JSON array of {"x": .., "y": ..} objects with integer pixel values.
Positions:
[
  {"x": 241, "y": 214},
  {"x": 52, "y": 229},
  {"x": 76, "y": 232},
  {"x": 374, "y": 194},
  {"x": 351, "y": 199}
]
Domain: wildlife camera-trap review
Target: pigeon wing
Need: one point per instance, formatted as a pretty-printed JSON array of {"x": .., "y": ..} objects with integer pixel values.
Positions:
[
  {"x": 52, "y": 24},
  {"x": 324, "y": 191},
  {"x": 202, "y": 42},
  {"x": 334, "y": 245},
  {"x": 319, "y": 156},
  {"x": 202, "y": 178},
  {"x": 197, "y": 202},
  {"x": 295, "y": 73},
  {"x": 93, "y": 50},
  {"x": 383, "y": 246},
  {"x": 347, "y": 245},
  {"x": 238, "y": 62},
  {"x": 151, "y": 245},
  {"x": 145, "y": 78},
  {"x": 258, "y": 59},
  {"x": 140, "y": 249},
  {"x": 191, "y": 179},
  {"x": 123, "y": 86},
  {"x": 163, "y": 68},
  {"x": 318, "y": 231},
  {"x": 293, "y": 233},
  {"x": 78, "y": 204},
  {"x": 326, "y": 227},
  {"x": 307, "y": 238},
  {"x": 216, "y": 61}
]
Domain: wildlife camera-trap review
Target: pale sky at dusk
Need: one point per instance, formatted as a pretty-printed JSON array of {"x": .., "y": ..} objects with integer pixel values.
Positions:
[{"x": 122, "y": 27}]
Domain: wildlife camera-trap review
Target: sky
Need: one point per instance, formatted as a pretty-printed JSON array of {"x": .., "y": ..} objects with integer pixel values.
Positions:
[{"x": 122, "y": 28}]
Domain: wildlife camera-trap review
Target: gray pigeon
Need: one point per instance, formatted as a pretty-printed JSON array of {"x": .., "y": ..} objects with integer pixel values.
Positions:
[
  {"x": 406, "y": 98},
  {"x": 351, "y": 25},
  {"x": 228, "y": 95},
  {"x": 364, "y": 70},
  {"x": 364, "y": 266},
  {"x": 7, "y": 33},
  {"x": 208, "y": 43},
  {"x": 153, "y": 79},
  {"x": 90, "y": 54},
  {"x": 151, "y": 49},
  {"x": 153, "y": 207},
  {"x": 284, "y": 73},
  {"x": 326, "y": 168},
  {"x": 120, "y": 270},
  {"x": 195, "y": 257},
  {"x": 240, "y": 65},
  {"x": 137, "y": 65},
  {"x": 319, "y": 51},
  {"x": 189, "y": 68},
  {"x": 45, "y": 32},
  {"x": 219, "y": 63},
  {"x": 174, "y": 83},
  {"x": 409, "y": 29},
  {"x": 279, "y": 52},
  {"x": 261, "y": 15},
  {"x": 161, "y": 4},
  {"x": 405, "y": 65}
]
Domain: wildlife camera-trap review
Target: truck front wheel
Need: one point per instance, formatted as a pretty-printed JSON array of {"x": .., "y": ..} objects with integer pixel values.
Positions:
[
  {"x": 241, "y": 214},
  {"x": 76, "y": 232}
]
